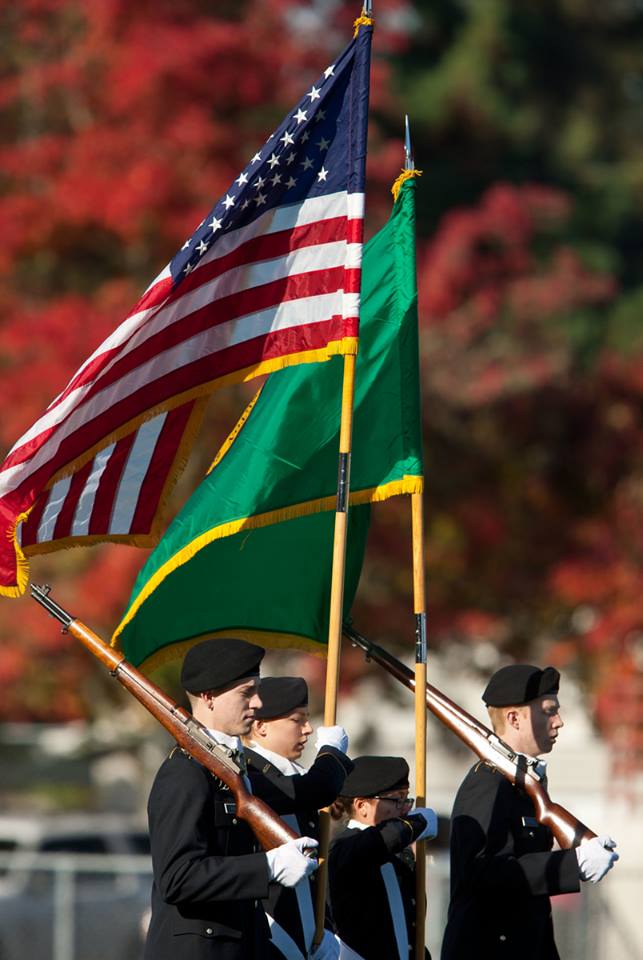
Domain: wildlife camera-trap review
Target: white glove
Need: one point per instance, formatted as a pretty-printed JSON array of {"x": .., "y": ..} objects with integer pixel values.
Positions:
[
  {"x": 328, "y": 949},
  {"x": 595, "y": 857},
  {"x": 431, "y": 829},
  {"x": 332, "y": 737},
  {"x": 288, "y": 865}
]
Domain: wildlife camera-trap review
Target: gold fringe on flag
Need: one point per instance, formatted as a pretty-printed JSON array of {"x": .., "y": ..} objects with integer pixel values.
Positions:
[{"x": 22, "y": 564}]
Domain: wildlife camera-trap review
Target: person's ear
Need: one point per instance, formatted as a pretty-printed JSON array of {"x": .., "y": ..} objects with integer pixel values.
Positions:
[
  {"x": 512, "y": 718},
  {"x": 361, "y": 806},
  {"x": 260, "y": 728}
]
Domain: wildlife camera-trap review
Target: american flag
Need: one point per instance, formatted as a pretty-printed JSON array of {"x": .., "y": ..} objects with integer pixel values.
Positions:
[
  {"x": 270, "y": 277},
  {"x": 102, "y": 499}
]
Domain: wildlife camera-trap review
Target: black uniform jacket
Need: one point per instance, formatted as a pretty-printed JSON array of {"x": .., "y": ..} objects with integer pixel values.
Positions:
[
  {"x": 299, "y": 797},
  {"x": 367, "y": 879},
  {"x": 503, "y": 871},
  {"x": 209, "y": 878}
]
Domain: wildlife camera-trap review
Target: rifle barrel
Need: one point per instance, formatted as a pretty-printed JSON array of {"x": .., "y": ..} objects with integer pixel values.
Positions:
[
  {"x": 566, "y": 828},
  {"x": 191, "y": 736}
]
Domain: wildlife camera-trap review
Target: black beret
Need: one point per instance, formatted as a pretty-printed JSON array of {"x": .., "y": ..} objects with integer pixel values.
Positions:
[
  {"x": 281, "y": 695},
  {"x": 373, "y": 775},
  {"x": 216, "y": 663},
  {"x": 519, "y": 683}
]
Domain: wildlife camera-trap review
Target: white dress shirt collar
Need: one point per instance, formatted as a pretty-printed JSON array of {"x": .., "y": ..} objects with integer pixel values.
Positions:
[
  {"x": 225, "y": 739},
  {"x": 288, "y": 767}
]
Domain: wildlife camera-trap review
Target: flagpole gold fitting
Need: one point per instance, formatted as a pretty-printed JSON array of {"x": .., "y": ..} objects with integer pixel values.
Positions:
[
  {"x": 404, "y": 175},
  {"x": 365, "y": 20}
]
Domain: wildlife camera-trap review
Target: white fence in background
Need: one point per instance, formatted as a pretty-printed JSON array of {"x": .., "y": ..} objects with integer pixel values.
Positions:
[
  {"x": 96, "y": 907},
  {"x": 56, "y": 906}
]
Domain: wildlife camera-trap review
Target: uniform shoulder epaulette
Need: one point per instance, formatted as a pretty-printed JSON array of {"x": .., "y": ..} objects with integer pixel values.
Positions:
[
  {"x": 177, "y": 749},
  {"x": 484, "y": 765},
  {"x": 266, "y": 767}
]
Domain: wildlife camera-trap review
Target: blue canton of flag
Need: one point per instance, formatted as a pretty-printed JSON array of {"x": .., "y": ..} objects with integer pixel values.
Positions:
[{"x": 318, "y": 150}]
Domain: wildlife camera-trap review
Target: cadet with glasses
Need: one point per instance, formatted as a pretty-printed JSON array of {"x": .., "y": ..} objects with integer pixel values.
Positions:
[
  {"x": 371, "y": 870},
  {"x": 279, "y": 735}
]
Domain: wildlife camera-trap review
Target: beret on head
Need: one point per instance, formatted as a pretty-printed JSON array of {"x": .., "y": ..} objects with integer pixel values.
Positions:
[
  {"x": 373, "y": 775},
  {"x": 519, "y": 683},
  {"x": 214, "y": 664},
  {"x": 281, "y": 695}
]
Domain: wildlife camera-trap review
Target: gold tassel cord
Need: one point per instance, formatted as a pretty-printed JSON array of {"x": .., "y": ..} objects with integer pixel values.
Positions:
[
  {"x": 362, "y": 21},
  {"x": 404, "y": 175}
]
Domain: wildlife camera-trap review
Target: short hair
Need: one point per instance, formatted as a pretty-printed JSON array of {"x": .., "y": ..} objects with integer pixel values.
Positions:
[
  {"x": 193, "y": 698},
  {"x": 343, "y": 808},
  {"x": 497, "y": 715}
]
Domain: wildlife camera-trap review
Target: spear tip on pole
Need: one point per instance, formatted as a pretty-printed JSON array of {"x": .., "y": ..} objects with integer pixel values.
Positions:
[
  {"x": 368, "y": 8},
  {"x": 408, "y": 150}
]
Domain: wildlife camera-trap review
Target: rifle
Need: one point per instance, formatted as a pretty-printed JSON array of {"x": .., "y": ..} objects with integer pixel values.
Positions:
[
  {"x": 515, "y": 767},
  {"x": 191, "y": 736}
]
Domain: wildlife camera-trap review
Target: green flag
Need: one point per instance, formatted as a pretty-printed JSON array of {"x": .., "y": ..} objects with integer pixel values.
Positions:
[{"x": 250, "y": 553}]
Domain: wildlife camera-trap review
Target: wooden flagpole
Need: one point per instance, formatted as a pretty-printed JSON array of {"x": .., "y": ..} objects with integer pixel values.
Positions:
[
  {"x": 335, "y": 622},
  {"x": 339, "y": 542},
  {"x": 336, "y": 596},
  {"x": 419, "y": 606}
]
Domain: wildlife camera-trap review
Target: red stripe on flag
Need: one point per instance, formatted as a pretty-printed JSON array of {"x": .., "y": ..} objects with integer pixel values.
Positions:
[
  {"x": 167, "y": 338},
  {"x": 255, "y": 250},
  {"x": 29, "y": 529},
  {"x": 157, "y": 472},
  {"x": 247, "y": 354},
  {"x": 153, "y": 296},
  {"x": 153, "y": 299},
  {"x": 328, "y": 281},
  {"x": 225, "y": 309},
  {"x": 65, "y": 517},
  {"x": 267, "y": 247},
  {"x": 108, "y": 486}
]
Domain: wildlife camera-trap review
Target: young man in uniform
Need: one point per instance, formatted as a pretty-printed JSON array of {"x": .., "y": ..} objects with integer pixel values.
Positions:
[
  {"x": 503, "y": 868},
  {"x": 371, "y": 873},
  {"x": 279, "y": 735},
  {"x": 209, "y": 875}
]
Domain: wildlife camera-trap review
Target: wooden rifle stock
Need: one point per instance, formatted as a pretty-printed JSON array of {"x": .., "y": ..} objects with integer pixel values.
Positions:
[
  {"x": 515, "y": 767},
  {"x": 191, "y": 736}
]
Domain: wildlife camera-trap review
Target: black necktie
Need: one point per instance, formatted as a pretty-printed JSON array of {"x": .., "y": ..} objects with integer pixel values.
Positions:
[{"x": 239, "y": 758}]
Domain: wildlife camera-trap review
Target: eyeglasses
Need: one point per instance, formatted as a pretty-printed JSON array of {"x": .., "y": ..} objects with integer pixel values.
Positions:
[{"x": 400, "y": 802}]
